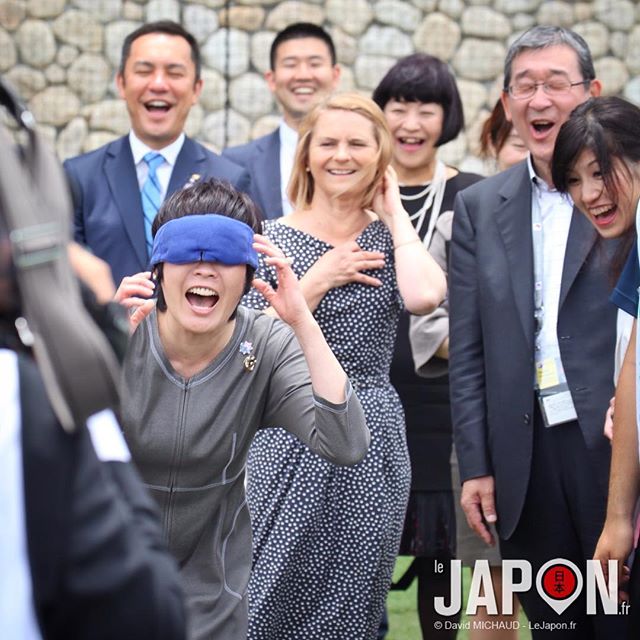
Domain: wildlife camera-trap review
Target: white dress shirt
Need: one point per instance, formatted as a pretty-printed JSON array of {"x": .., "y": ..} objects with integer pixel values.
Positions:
[
  {"x": 17, "y": 614},
  {"x": 556, "y": 210},
  {"x": 288, "y": 144},
  {"x": 170, "y": 154}
]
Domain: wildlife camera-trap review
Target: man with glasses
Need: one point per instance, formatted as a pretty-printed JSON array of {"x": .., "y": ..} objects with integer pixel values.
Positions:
[{"x": 532, "y": 341}]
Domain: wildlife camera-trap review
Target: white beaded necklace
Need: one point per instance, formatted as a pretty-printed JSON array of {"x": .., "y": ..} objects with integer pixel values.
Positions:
[{"x": 433, "y": 194}]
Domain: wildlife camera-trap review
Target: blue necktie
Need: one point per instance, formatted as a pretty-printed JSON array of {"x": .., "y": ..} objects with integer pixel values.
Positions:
[{"x": 151, "y": 195}]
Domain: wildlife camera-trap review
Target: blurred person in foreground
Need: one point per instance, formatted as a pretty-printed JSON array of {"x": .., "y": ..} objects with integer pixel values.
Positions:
[{"x": 81, "y": 551}]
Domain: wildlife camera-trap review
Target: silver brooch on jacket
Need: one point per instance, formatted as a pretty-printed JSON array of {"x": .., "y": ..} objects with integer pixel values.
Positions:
[{"x": 249, "y": 361}]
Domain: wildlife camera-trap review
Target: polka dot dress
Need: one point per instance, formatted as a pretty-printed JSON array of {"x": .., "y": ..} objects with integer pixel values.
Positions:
[{"x": 326, "y": 537}]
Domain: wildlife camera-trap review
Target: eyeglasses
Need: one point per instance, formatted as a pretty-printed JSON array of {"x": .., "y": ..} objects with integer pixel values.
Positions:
[{"x": 554, "y": 87}]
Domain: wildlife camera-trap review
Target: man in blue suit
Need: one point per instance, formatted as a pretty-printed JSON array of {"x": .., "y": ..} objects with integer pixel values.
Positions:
[
  {"x": 303, "y": 72},
  {"x": 118, "y": 188}
]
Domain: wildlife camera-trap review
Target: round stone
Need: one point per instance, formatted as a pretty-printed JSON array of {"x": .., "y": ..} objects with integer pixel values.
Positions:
[
  {"x": 132, "y": 11},
  {"x": 632, "y": 58},
  {"x": 103, "y": 10},
  {"x": 71, "y": 138},
  {"x": 516, "y": 6},
  {"x": 12, "y": 13},
  {"x": 214, "y": 90},
  {"x": 522, "y": 21},
  {"x": 618, "y": 44},
  {"x": 369, "y": 70},
  {"x": 437, "y": 35},
  {"x": 79, "y": 29},
  {"x": 163, "y": 10},
  {"x": 479, "y": 59},
  {"x": 473, "y": 96},
  {"x": 114, "y": 35},
  {"x": 451, "y": 8},
  {"x": 347, "y": 79},
  {"x": 250, "y": 95},
  {"x": 260, "y": 50},
  {"x": 263, "y": 3},
  {"x": 632, "y": 91},
  {"x": 200, "y": 21},
  {"x": 388, "y": 41},
  {"x": 55, "y": 105},
  {"x": 596, "y": 35},
  {"x": 485, "y": 23},
  {"x": 264, "y": 126},
  {"x": 193, "y": 124},
  {"x": 89, "y": 76},
  {"x": 247, "y": 18},
  {"x": 346, "y": 46},
  {"x": 97, "y": 139},
  {"x": 237, "y": 129},
  {"x": 55, "y": 74},
  {"x": 45, "y": 8},
  {"x": 426, "y": 5},
  {"x": 290, "y": 11},
  {"x": 8, "y": 53},
  {"x": 227, "y": 51},
  {"x": 352, "y": 16},
  {"x": 612, "y": 73},
  {"x": 582, "y": 11},
  {"x": 36, "y": 43},
  {"x": 397, "y": 13},
  {"x": 618, "y": 15},
  {"x": 26, "y": 80},
  {"x": 553, "y": 12},
  {"x": 109, "y": 115},
  {"x": 66, "y": 55},
  {"x": 453, "y": 152}
]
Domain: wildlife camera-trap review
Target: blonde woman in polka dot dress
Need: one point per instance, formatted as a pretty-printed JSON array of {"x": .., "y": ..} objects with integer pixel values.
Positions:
[{"x": 326, "y": 538}]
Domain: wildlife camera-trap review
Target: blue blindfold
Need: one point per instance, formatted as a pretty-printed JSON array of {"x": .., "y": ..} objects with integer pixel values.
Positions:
[{"x": 208, "y": 238}]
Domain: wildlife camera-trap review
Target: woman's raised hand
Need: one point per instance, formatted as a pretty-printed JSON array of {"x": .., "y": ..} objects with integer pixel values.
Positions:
[
  {"x": 287, "y": 300},
  {"x": 134, "y": 293},
  {"x": 387, "y": 203}
]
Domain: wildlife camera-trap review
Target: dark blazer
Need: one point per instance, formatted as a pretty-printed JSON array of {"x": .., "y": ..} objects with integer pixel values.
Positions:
[
  {"x": 492, "y": 336},
  {"x": 108, "y": 215},
  {"x": 261, "y": 158},
  {"x": 98, "y": 565}
]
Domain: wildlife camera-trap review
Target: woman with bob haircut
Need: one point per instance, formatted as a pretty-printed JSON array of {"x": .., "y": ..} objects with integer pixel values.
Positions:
[
  {"x": 202, "y": 375},
  {"x": 423, "y": 110},
  {"x": 596, "y": 160},
  {"x": 326, "y": 538}
]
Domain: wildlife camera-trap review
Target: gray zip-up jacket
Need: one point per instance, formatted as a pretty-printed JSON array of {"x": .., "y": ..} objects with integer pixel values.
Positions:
[{"x": 189, "y": 439}]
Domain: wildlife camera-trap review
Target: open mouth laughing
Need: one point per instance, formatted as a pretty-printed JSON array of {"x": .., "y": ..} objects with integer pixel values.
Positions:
[
  {"x": 202, "y": 298},
  {"x": 157, "y": 106},
  {"x": 604, "y": 215}
]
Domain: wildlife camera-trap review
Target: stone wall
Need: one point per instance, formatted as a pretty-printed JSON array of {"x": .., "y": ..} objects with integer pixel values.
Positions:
[{"x": 62, "y": 54}]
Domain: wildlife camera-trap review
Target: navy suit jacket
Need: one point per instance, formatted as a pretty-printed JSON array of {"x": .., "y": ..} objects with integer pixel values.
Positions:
[
  {"x": 261, "y": 158},
  {"x": 492, "y": 337},
  {"x": 108, "y": 215}
]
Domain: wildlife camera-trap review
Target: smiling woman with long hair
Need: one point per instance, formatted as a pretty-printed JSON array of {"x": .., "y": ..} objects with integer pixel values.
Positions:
[{"x": 326, "y": 537}]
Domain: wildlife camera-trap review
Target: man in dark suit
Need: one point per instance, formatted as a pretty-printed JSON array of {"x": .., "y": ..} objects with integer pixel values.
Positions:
[
  {"x": 303, "y": 72},
  {"x": 118, "y": 188},
  {"x": 532, "y": 340}
]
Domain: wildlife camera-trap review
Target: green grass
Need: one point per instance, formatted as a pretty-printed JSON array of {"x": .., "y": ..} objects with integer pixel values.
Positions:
[{"x": 403, "y": 617}]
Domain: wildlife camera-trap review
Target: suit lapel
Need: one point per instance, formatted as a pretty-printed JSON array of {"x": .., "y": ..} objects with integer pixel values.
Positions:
[
  {"x": 123, "y": 183},
  {"x": 267, "y": 175},
  {"x": 190, "y": 161},
  {"x": 582, "y": 237},
  {"x": 513, "y": 219}
]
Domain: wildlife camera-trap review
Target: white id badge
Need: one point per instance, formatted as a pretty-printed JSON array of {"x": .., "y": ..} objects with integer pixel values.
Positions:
[{"x": 556, "y": 403}]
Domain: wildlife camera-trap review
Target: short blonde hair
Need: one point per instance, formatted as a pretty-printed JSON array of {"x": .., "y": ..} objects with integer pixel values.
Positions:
[{"x": 301, "y": 185}]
